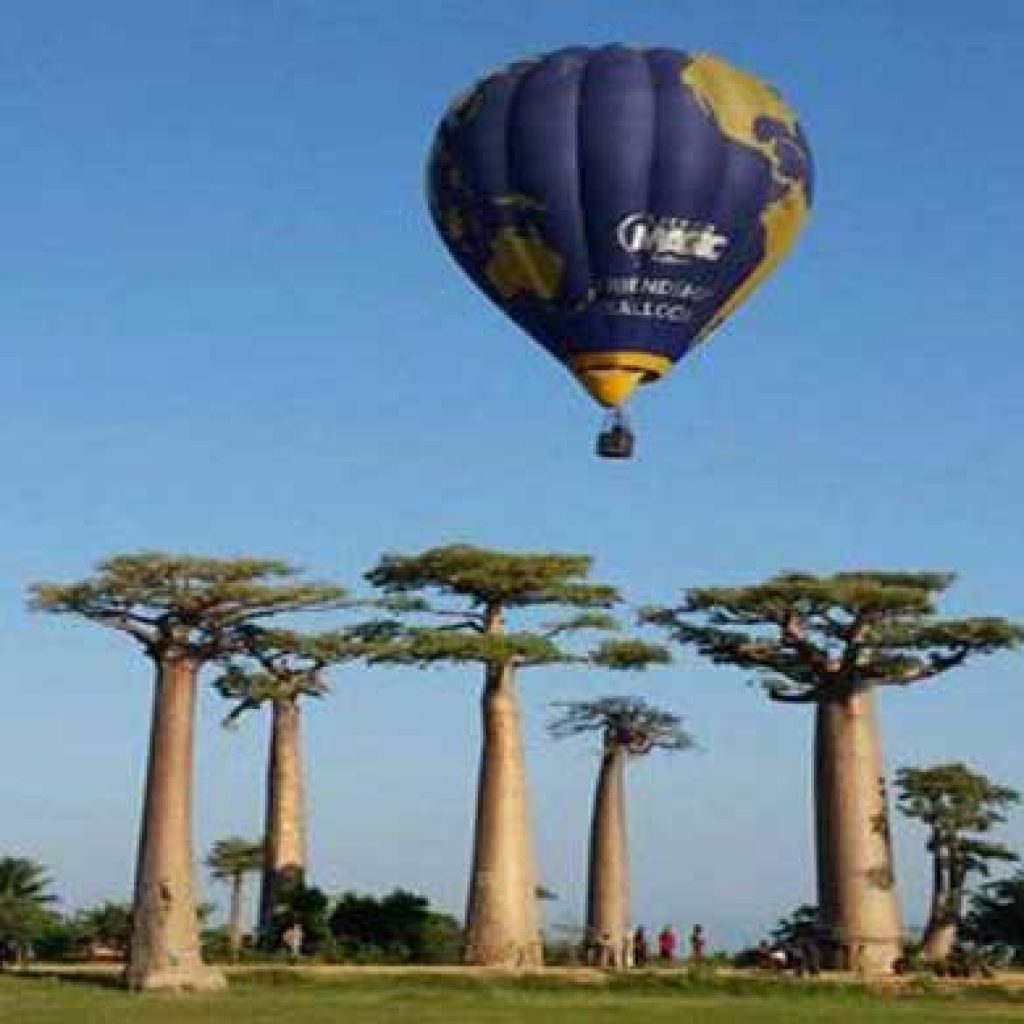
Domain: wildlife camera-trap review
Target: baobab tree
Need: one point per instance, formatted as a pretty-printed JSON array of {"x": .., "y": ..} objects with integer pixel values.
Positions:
[
  {"x": 953, "y": 802},
  {"x": 230, "y": 860},
  {"x": 279, "y": 669},
  {"x": 455, "y": 602},
  {"x": 830, "y": 641},
  {"x": 630, "y": 728},
  {"x": 184, "y": 612}
]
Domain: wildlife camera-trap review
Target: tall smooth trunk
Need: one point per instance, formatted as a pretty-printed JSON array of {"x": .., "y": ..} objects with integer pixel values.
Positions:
[
  {"x": 235, "y": 918},
  {"x": 856, "y": 882},
  {"x": 608, "y": 881},
  {"x": 502, "y": 925},
  {"x": 284, "y": 864},
  {"x": 165, "y": 948}
]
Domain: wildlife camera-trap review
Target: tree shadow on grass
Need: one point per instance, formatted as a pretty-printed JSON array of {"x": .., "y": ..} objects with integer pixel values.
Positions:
[{"x": 70, "y": 975}]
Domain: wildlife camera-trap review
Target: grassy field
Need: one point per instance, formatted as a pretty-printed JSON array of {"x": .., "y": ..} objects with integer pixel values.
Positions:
[{"x": 281, "y": 997}]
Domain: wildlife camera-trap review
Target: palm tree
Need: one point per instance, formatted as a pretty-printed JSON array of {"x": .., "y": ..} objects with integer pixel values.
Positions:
[
  {"x": 184, "y": 612},
  {"x": 24, "y": 897},
  {"x": 629, "y": 728},
  {"x": 230, "y": 860}
]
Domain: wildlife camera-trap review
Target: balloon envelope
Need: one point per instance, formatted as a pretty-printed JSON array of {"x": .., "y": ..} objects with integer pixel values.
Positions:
[{"x": 619, "y": 203}]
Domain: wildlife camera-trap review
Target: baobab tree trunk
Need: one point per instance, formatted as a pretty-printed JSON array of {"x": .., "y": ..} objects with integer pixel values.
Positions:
[
  {"x": 608, "y": 882},
  {"x": 856, "y": 883},
  {"x": 502, "y": 926},
  {"x": 235, "y": 917},
  {"x": 284, "y": 864},
  {"x": 940, "y": 932},
  {"x": 165, "y": 950}
]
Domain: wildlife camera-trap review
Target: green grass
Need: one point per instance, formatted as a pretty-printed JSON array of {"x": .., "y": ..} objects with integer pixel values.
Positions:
[{"x": 284, "y": 999}]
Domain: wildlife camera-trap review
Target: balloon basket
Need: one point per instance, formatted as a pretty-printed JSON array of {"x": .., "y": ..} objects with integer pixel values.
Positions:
[{"x": 616, "y": 439}]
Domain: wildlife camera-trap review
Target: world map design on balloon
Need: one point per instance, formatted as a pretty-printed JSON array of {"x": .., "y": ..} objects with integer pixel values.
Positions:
[{"x": 619, "y": 203}]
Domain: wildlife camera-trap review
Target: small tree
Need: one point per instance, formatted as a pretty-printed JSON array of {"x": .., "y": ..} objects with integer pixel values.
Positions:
[
  {"x": 455, "y": 601},
  {"x": 279, "y": 669},
  {"x": 230, "y": 861},
  {"x": 184, "y": 612},
  {"x": 398, "y": 927},
  {"x": 829, "y": 642},
  {"x": 995, "y": 915},
  {"x": 25, "y": 897},
  {"x": 107, "y": 924},
  {"x": 953, "y": 801},
  {"x": 629, "y": 728},
  {"x": 801, "y": 927}
]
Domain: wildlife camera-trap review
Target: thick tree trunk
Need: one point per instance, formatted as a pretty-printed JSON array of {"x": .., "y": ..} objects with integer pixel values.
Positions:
[
  {"x": 235, "y": 918},
  {"x": 608, "y": 882},
  {"x": 165, "y": 948},
  {"x": 502, "y": 927},
  {"x": 940, "y": 932},
  {"x": 940, "y": 937},
  {"x": 284, "y": 864},
  {"x": 856, "y": 884}
]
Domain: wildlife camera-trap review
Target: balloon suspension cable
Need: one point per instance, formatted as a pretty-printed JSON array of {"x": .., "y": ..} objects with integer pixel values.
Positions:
[{"x": 616, "y": 438}]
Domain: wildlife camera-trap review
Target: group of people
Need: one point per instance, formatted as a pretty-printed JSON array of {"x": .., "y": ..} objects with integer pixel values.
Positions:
[{"x": 633, "y": 948}]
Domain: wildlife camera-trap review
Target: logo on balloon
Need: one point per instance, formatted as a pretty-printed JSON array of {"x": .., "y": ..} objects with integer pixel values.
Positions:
[{"x": 670, "y": 239}]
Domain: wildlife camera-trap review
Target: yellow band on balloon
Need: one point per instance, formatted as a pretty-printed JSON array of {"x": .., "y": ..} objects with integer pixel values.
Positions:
[
  {"x": 653, "y": 366},
  {"x": 611, "y": 377}
]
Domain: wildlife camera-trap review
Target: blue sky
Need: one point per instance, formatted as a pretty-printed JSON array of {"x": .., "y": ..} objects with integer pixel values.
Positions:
[{"x": 228, "y": 327}]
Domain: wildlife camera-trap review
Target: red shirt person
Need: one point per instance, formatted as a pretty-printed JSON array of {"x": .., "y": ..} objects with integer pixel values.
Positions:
[{"x": 667, "y": 943}]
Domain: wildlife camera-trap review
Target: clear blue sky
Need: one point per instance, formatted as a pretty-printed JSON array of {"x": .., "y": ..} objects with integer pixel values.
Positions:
[{"x": 228, "y": 327}]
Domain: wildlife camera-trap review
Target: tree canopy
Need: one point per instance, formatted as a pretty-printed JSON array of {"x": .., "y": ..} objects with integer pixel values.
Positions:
[
  {"x": 488, "y": 578},
  {"x": 284, "y": 664},
  {"x": 629, "y": 724},
  {"x": 809, "y": 637},
  {"x": 228, "y": 858},
  {"x": 194, "y": 605},
  {"x": 449, "y": 605},
  {"x": 954, "y": 801}
]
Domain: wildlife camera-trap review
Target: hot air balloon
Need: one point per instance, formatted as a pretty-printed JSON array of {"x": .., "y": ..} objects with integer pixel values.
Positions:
[{"x": 618, "y": 203}]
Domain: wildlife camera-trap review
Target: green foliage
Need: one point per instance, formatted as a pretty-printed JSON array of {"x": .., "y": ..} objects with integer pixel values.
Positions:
[
  {"x": 629, "y": 655},
  {"x": 451, "y": 603},
  {"x": 284, "y": 664},
  {"x": 234, "y": 857},
  {"x": 487, "y": 577},
  {"x": 626, "y": 723},
  {"x": 201, "y": 606},
  {"x": 59, "y": 940},
  {"x": 996, "y": 915},
  {"x": 810, "y": 637},
  {"x": 397, "y": 928},
  {"x": 951, "y": 798},
  {"x": 424, "y": 647},
  {"x": 107, "y": 924},
  {"x": 954, "y": 802},
  {"x": 802, "y": 925},
  {"x": 25, "y": 897},
  {"x": 305, "y": 905}
]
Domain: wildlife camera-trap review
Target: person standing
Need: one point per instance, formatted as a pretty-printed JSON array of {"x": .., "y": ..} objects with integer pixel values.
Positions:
[
  {"x": 640, "y": 951},
  {"x": 698, "y": 943},
  {"x": 292, "y": 939},
  {"x": 667, "y": 944}
]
